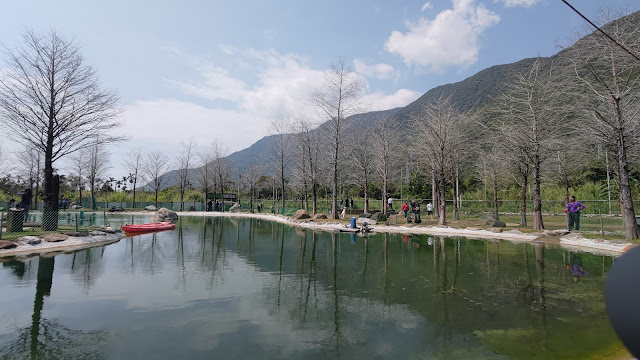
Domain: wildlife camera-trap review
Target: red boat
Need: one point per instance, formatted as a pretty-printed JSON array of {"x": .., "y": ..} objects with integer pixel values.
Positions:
[{"x": 140, "y": 228}]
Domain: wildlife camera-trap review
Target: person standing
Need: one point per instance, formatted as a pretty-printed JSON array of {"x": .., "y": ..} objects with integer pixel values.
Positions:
[
  {"x": 25, "y": 203},
  {"x": 429, "y": 209},
  {"x": 416, "y": 213},
  {"x": 573, "y": 208},
  {"x": 390, "y": 203},
  {"x": 405, "y": 209}
]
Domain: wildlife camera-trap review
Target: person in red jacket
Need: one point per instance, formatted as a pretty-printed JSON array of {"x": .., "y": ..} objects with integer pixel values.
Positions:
[{"x": 405, "y": 208}]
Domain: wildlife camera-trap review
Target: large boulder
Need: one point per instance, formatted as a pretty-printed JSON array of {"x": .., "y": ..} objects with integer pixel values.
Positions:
[
  {"x": 379, "y": 216},
  {"x": 491, "y": 220},
  {"x": 164, "y": 214},
  {"x": 320, "y": 216},
  {"x": 235, "y": 208},
  {"x": 4, "y": 244},
  {"x": 302, "y": 214},
  {"x": 361, "y": 221},
  {"x": 365, "y": 215},
  {"x": 54, "y": 237},
  {"x": 150, "y": 208}
]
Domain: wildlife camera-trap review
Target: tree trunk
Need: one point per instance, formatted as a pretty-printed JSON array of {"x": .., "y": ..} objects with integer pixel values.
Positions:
[
  {"x": 495, "y": 194},
  {"x": 434, "y": 192},
  {"x": 384, "y": 196},
  {"x": 537, "y": 201},
  {"x": 314, "y": 197},
  {"x": 456, "y": 194},
  {"x": 366, "y": 194},
  {"x": 566, "y": 195},
  {"x": 523, "y": 199},
  {"x": 282, "y": 177},
  {"x": 334, "y": 185},
  {"x": 135, "y": 181},
  {"x": 442, "y": 197},
  {"x": 626, "y": 201}
]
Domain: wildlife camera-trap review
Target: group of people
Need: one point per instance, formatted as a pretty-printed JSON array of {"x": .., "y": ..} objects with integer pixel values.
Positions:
[
  {"x": 415, "y": 210},
  {"x": 214, "y": 205},
  {"x": 63, "y": 203},
  {"x": 348, "y": 202},
  {"x": 25, "y": 202}
]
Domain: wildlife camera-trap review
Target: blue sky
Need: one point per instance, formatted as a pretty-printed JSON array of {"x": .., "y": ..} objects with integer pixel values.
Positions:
[{"x": 224, "y": 69}]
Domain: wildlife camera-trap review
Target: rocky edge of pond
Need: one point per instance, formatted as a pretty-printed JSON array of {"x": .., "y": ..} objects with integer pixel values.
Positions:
[
  {"x": 48, "y": 243},
  {"x": 58, "y": 243},
  {"x": 569, "y": 240}
]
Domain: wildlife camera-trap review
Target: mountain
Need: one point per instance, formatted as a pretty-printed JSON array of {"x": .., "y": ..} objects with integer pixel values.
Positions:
[{"x": 470, "y": 94}]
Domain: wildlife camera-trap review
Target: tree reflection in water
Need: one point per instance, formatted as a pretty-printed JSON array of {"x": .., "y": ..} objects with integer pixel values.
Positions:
[{"x": 47, "y": 339}]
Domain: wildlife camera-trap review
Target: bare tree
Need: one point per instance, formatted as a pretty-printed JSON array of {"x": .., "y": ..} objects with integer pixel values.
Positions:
[
  {"x": 205, "y": 175},
  {"x": 280, "y": 129},
  {"x": 336, "y": 100},
  {"x": 533, "y": 123},
  {"x": 52, "y": 101},
  {"x": 220, "y": 166},
  {"x": 76, "y": 164},
  {"x": 309, "y": 145},
  {"x": 96, "y": 165},
  {"x": 134, "y": 162},
  {"x": 362, "y": 158},
  {"x": 182, "y": 162},
  {"x": 251, "y": 178},
  {"x": 4, "y": 164},
  {"x": 442, "y": 130},
  {"x": 155, "y": 169},
  {"x": 387, "y": 141},
  {"x": 609, "y": 96},
  {"x": 30, "y": 165}
]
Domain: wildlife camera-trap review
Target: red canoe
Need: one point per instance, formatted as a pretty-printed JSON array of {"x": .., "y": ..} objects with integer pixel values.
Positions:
[{"x": 148, "y": 227}]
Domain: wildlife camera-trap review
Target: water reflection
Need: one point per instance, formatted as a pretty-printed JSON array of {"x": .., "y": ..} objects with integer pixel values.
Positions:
[
  {"x": 49, "y": 339},
  {"x": 246, "y": 288}
]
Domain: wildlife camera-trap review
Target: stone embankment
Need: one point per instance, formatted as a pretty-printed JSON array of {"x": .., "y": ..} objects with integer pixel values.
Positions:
[
  {"x": 571, "y": 241},
  {"x": 58, "y": 243}
]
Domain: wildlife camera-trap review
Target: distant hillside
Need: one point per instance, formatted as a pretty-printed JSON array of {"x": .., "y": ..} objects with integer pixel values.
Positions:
[
  {"x": 263, "y": 148},
  {"x": 470, "y": 94}
]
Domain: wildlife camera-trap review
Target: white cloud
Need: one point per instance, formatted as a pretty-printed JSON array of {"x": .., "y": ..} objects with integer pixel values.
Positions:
[
  {"x": 240, "y": 110},
  {"x": 381, "y": 101},
  {"x": 515, "y": 3},
  {"x": 426, "y": 6},
  {"x": 227, "y": 49},
  {"x": 450, "y": 39},
  {"x": 169, "y": 121},
  {"x": 381, "y": 71}
]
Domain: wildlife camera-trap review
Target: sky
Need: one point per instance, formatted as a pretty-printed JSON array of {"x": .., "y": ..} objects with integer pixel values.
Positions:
[{"x": 203, "y": 70}]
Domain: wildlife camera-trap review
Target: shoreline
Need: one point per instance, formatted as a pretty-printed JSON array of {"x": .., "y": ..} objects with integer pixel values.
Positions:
[
  {"x": 571, "y": 241},
  {"x": 73, "y": 243}
]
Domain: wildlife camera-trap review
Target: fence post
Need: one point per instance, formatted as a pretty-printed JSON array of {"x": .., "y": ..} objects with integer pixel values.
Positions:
[
  {"x": 104, "y": 214},
  {"x": 76, "y": 222},
  {"x": 601, "y": 225}
]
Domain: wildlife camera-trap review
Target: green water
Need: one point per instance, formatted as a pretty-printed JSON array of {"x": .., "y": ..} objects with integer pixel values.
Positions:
[{"x": 251, "y": 289}]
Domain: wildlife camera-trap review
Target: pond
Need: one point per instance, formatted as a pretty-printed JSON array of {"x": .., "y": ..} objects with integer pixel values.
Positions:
[{"x": 248, "y": 288}]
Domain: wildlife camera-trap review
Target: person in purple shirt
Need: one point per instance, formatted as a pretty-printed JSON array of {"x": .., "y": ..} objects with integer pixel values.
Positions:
[{"x": 573, "y": 208}]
